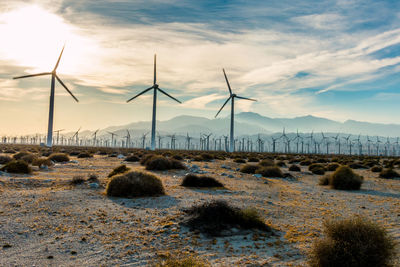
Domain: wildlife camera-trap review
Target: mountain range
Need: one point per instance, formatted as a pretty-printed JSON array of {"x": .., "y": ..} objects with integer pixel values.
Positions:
[{"x": 250, "y": 123}]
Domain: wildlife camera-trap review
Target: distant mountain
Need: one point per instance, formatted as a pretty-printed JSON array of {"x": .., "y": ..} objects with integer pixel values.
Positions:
[{"x": 250, "y": 123}]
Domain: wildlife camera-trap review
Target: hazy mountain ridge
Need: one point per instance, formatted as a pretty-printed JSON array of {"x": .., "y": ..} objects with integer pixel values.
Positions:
[{"x": 250, "y": 123}]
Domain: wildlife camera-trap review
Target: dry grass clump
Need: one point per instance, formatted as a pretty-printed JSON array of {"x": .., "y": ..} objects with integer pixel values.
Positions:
[
  {"x": 305, "y": 162},
  {"x": 135, "y": 184},
  {"x": 118, "y": 170},
  {"x": 281, "y": 163},
  {"x": 294, "y": 168},
  {"x": 212, "y": 218},
  {"x": 249, "y": 168},
  {"x": 239, "y": 160},
  {"x": 85, "y": 155},
  {"x": 317, "y": 168},
  {"x": 5, "y": 159},
  {"x": 42, "y": 162},
  {"x": 192, "y": 180},
  {"x": 17, "y": 166},
  {"x": 145, "y": 158},
  {"x": 345, "y": 179},
  {"x": 253, "y": 159},
  {"x": 353, "y": 242},
  {"x": 266, "y": 163},
  {"x": 132, "y": 158},
  {"x": 332, "y": 167},
  {"x": 22, "y": 154},
  {"x": 270, "y": 171},
  {"x": 161, "y": 163},
  {"x": 59, "y": 157},
  {"x": 376, "y": 168},
  {"x": 77, "y": 180},
  {"x": 389, "y": 174},
  {"x": 180, "y": 260}
]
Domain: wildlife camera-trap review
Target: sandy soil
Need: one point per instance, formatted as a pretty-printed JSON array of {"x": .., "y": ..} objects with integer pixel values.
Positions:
[{"x": 45, "y": 221}]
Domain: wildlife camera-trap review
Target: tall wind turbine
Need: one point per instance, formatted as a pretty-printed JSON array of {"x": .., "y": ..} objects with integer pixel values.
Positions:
[
  {"x": 155, "y": 89},
  {"x": 54, "y": 76},
  {"x": 232, "y": 97}
]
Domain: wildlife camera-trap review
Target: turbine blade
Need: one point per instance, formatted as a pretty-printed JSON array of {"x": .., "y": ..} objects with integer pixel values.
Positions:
[
  {"x": 169, "y": 96},
  {"x": 155, "y": 69},
  {"x": 32, "y": 75},
  {"x": 66, "y": 88},
  {"x": 223, "y": 106},
  {"x": 241, "y": 97},
  {"x": 145, "y": 91},
  {"x": 59, "y": 58},
  {"x": 227, "y": 82}
]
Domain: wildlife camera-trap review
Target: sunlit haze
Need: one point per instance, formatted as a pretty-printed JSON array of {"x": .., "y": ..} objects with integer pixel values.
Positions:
[{"x": 337, "y": 60}]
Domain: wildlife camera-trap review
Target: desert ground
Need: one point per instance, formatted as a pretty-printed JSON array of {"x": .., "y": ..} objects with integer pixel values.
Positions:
[{"x": 47, "y": 221}]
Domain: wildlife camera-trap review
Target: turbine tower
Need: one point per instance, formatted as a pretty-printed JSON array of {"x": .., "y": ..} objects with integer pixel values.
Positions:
[
  {"x": 54, "y": 76},
  {"x": 155, "y": 89},
  {"x": 232, "y": 97}
]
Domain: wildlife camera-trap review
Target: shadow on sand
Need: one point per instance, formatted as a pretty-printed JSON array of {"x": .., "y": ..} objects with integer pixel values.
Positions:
[{"x": 161, "y": 202}]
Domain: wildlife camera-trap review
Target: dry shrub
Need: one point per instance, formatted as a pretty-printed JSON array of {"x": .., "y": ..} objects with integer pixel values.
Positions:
[
  {"x": 249, "y": 168},
  {"x": 294, "y": 168},
  {"x": 17, "y": 166},
  {"x": 253, "y": 159},
  {"x": 376, "y": 168},
  {"x": 266, "y": 163},
  {"x": 345, "y": 179},
  {"x": 42, "y": 162},
  {"x": 77, "y": 180},
  {"x": 145, "y": 158},
  {"x": 177, "y": 259},
  {"x": 177, "y": 165},
  {"x": 85, "y": 155},
  {"x": 158, "y": 163},
  {"x": 22, "y": 154},
  {"x": 135, "y": 184},
  {"x": 305, "y": 162},
  {"x": 59, "y": 157},
  {"x": 353, "y": 242},
  {"x": 324, "y": 180},
  {"x": 5, "y": 159},
  {"x": 214, "y": 217},
  {"x": 118, "y": 170},
  {"x": 192, "y": 180},
  {"x": 389, "y": 174},
  {"x": 239, "y": 160},
  {"x": 132, "y": 158},
  {"x": 332, "y": 167},
  {"x": 281, "y": 163},
  {"x": 271, "y": 171}
]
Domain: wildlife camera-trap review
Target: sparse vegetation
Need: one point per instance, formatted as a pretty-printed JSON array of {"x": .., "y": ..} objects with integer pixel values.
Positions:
[
  {"x": 85, "y": 155},
  {"x": 180, "y": 260},
  {"x": 192, "y": 180},
  {"x": 132, "y": 158},
  {"x": 5, "y": 159},
  {"x": 353, "y": 242},
  {"x": 376, "y": 168},
  {"x": 42, "y": 162},
  {"x": 17, "y": 166},
  {"x": 294, "y": 168},
  {"x": 118, "y": 170},
  {"x": 266, "y": 163},
  {"x": 77, "y": 180},
  {"x": 270, "y": 171},
  {"x": 389, "y": 174},
  {"x": 345, "y": 179},
  {"x": 239, "y": 160},
  {"x": 135, "y": 184},
  {"x": 214, "y": 217},
  {"x": 59, "y": 157},
  {"x": 249, "y": 168}
]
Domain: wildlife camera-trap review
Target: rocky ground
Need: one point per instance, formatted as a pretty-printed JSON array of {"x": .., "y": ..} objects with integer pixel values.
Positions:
[{"x": 46, "y": 221}]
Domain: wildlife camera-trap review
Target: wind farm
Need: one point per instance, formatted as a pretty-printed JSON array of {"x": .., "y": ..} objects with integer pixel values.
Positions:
[{"x": 299, "y": 165}]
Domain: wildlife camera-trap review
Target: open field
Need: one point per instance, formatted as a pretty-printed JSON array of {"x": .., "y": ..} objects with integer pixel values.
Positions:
[{"x": 47, "y": 221}]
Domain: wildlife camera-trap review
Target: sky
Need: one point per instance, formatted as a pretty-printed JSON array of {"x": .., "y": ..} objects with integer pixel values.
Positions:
[{"x": 333, "y": 59}]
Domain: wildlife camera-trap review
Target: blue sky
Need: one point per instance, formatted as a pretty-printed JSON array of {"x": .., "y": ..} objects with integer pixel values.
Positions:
[{"x": 333, "y": 59}]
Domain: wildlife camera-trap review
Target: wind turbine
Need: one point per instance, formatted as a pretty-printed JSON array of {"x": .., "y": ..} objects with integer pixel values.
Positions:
[
  {"x": 232, "y": 97},
  {"x": 58, "y": 134},
  {"x": 76, "y": 135},
  {"x": 112, "y": 138},
  {"x": 155, "y": 89},
  {"x": 95, "y": 137},
  {"x": 54, "y": 76}
]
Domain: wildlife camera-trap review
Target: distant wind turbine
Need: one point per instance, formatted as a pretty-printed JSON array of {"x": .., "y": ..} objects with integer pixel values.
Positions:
[
  {"x": 51, "y": 108},
  {"x": 232, "y": 97},
  {"x": 155, "y": 89}
]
